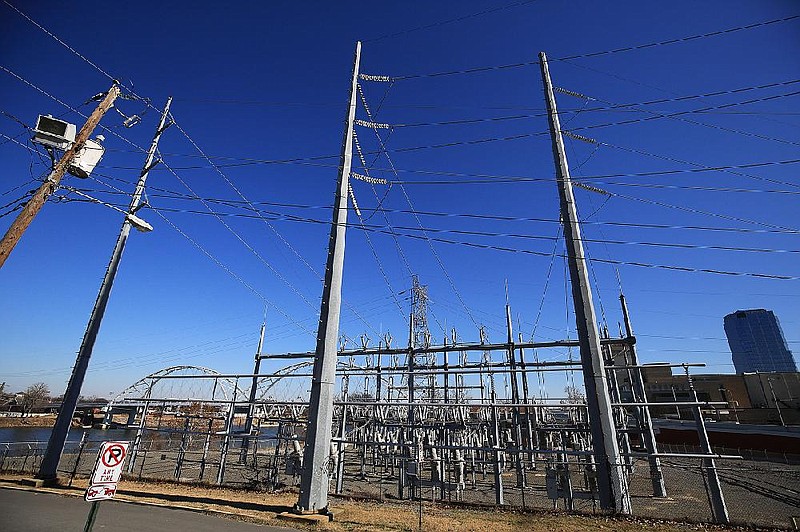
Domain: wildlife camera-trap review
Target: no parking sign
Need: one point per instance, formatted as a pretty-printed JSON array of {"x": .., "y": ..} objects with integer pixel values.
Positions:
[{"x": 107, "y": 470}]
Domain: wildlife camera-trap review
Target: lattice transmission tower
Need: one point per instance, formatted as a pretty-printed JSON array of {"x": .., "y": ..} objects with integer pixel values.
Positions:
[{"x": 425, "y": 385}]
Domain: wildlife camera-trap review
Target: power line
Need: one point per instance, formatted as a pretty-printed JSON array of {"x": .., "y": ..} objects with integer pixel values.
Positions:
[
  {"x": 682, "y": 39},
  {"x": 599, "y": 53},
  {"x": 216, "y": 260},
  {"x": 369, "y": 240},
  {"x": 473, "y": 142},
  {"x": 419, "y": 223},
  {"x": 230, "y": 272},
  {"x": 729, "y": 170},
  {"x": 450, "y": 21},
  {"x": 677, "y": 116},
  {"x": 65, "y": 45},
  {"x": 712, "y": 94},
  {"x": 612, "y": 106},
  {"x": 247, "y": 202},
  {"x": 474, "y": 216},
  {"x": 378, "y": 229},
  {"x": 44, "y": 92},
  {"x": 487, "y": 178}
]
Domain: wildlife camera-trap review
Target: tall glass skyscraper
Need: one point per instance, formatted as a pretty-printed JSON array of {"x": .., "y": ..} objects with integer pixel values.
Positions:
[{"x": 757, "y": 342}]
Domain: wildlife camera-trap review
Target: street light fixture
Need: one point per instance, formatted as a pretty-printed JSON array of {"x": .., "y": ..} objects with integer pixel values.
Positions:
[{"x": 138, "y": 223}]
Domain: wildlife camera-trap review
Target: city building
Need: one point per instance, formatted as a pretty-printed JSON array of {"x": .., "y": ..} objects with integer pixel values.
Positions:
[
  {"x": 750, "y": 398},
  {"x": 757, "y": 342}
]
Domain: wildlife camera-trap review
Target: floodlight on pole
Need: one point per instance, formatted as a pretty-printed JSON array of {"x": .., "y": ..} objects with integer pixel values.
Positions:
[{"x": 138, "y": 223}]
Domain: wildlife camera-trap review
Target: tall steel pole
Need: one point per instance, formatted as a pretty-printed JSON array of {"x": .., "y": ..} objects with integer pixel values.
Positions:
[
  {"x": 316, "y": 455},
  {"x": 55, "y": 446},
  {"x": 611, "y": 481},
  {"x": 37, "y": 201}
]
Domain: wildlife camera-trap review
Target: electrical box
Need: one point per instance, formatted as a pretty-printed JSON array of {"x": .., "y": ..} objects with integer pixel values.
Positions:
[
  {"x": 87, "y": 158},
  {"x": 54, "y": 133}
]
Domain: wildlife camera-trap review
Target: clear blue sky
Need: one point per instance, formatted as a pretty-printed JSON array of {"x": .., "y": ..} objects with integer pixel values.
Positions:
[{"x": 268, "y": 82}]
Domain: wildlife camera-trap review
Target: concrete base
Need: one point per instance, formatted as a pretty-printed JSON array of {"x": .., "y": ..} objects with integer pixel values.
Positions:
[
  {"x": 306, "y": 519},
  {"x": 40, "y": 483}
]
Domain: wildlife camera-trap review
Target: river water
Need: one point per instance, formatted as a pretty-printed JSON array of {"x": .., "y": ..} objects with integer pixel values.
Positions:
[{"x": 42, "y": 434}]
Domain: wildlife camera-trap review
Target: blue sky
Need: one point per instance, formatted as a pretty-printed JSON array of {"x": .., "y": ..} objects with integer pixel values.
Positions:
[{"x": 260, "y": 83}]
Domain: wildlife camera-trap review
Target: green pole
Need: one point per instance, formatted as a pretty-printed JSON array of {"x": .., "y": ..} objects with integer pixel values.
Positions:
[{"x": 91, "y": 517}]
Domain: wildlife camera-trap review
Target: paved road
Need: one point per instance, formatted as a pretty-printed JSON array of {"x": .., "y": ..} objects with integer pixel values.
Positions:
[{"x": 29, "y": 511}]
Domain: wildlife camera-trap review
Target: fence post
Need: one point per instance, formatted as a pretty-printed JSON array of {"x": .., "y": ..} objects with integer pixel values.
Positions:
[
  {"x": 138, "y": 439},
  {"x": 226, "y": 440},
  {"x": 3, "y": 461},
  {"x": 182, "y": 449},
  {"x": 81, "y": 445}
]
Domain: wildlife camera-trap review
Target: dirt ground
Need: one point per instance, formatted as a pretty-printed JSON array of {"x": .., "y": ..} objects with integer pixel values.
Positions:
[
  {"x": 352, "y": 515},
  {"x": 47, "y": 420}
]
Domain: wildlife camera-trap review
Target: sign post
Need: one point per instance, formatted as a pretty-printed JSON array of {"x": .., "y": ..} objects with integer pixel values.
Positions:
[{"x": 105, "y": 475}]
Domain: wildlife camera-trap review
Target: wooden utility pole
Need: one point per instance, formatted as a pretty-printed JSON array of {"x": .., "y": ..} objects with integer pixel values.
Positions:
[
  {"x": 316, "y": 455},
  {"x": 50, "y": 184},
  {"x": 611, "y": 481}
]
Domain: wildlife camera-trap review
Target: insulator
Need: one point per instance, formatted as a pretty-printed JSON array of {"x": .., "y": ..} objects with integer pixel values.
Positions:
[
  {"x": 373, "y": 125},
  {"x": 131, "y": 121},
  {"x": 368, "y": 179},
  {"x": 579, "y": 137},
  {"x": 353, "y": 197},
  {"x": 369, "y": 77},
  {"x": 590, "y": 188},
  {"x": 573, "y": 93}
]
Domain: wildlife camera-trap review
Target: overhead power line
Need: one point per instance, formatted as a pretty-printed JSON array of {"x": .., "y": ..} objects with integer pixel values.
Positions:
[
  {"x": 474, "y": 216},
  {"x": 61, "y": 42},
  {"x": 450, "y": 21},
  {"x": 409, "y": 233},
  {"x": 645, "y": 46},
  {"x": 682, "y": 39},
  {"x": 74, "y": 110}
]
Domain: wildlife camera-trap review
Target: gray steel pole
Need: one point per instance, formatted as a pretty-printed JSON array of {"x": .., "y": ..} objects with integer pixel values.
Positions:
[
  {"x": 512, "y": 362},
  {"x": 226, "y": 439},
  {"x": 719, "y": 510},
  {"x": 55, "y": 445},
  {"x": 314, "y": 481},
  {"x": 248, "y": 424},
  {"x": 611, "y": 480},
  {"x": 775, "y": 400},
  {"x": 648, "y": 435}
]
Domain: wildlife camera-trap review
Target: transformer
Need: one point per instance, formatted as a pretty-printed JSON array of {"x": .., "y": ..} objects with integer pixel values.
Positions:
[{"x": 87, "y": 158}]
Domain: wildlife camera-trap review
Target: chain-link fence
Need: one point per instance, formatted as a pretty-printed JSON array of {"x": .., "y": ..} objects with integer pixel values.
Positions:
[{"x": 759, "y": 489}]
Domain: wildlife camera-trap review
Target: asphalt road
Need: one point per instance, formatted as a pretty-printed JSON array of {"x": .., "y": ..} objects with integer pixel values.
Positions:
[{"x": 29, "y": 511}]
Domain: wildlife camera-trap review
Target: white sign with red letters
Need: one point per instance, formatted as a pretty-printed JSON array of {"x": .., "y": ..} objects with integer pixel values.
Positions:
[{"x": 107, "y": 470}]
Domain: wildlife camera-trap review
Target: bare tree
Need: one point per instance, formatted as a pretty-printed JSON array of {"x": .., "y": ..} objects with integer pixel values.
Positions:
[
  {"x": 574, "y": 395},
  {"x": 33, "y": 396}
]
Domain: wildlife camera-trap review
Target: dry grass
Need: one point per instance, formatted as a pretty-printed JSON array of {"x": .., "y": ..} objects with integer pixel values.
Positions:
[
  {"x": 364, "y": 516},
  {"x": 47, "y": 420}
]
